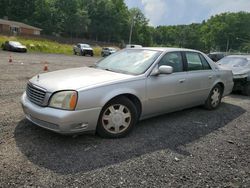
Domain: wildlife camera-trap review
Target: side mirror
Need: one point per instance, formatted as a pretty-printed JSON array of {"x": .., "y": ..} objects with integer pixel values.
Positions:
[{"x": 163, "y": 69}]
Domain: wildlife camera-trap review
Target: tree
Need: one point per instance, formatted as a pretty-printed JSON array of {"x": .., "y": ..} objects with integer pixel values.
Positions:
[
  {"x": 220, "y": 32},
  {"x": 142, "y": 33}
]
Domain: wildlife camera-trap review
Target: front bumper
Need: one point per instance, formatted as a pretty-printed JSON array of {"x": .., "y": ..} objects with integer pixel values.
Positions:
[
  {"x": 61, "y": 121},
  {"x": 20, "y": 50},
  {"x": 240, "y": 83}
]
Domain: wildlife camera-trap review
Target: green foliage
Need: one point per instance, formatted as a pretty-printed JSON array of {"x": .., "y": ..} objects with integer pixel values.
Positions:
[
  {"x": 223, "y": 32},
  {"x": 111, "y": 20},
  {"x": 226, "y": 31}
]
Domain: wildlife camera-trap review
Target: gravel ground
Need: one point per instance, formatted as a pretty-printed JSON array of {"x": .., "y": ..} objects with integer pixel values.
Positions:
[{"x": 190, "y": 148}]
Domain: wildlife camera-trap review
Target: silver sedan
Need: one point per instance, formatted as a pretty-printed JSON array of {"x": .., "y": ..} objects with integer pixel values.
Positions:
[{"x": 130, "y": 85}]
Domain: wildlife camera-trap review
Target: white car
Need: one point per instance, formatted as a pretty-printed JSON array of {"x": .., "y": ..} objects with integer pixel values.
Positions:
[
  {"x": 106, "y": 51},
  {"x": 133, "y": 46}
]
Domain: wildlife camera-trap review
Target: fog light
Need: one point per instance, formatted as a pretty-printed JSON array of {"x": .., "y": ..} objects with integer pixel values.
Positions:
[{"x": 80, "y": 126}]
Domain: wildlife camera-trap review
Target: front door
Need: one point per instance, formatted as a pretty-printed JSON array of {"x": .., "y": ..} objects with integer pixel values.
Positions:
[{"x": 166, "y": 92}]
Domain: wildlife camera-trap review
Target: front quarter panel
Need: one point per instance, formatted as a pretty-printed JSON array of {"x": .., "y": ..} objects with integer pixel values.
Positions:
[{"x": 99, "y": 96}]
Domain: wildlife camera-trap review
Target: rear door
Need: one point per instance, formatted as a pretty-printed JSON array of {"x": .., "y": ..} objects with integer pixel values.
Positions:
[{"x": 200, "y": 77}]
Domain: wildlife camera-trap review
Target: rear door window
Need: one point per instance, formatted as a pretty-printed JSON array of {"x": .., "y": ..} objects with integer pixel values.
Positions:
[{"x": 194, "y": 61}]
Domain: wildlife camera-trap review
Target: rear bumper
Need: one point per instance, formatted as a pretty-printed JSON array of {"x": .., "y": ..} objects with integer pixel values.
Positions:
[{"x": 60, "y": 121}]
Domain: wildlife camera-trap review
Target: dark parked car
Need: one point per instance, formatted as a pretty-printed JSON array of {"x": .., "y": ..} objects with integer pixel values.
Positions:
[
  {"x": 106, "y": 51},
  {"x": 240, "y": 66},
  {"x": 83, "y": 49},
  {"x": 14, "y": 46},
  {"x": 216, "y": 56}
]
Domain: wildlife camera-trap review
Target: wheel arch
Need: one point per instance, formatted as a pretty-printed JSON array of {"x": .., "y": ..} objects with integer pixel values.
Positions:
[
  {"x": 132, "y": 97},
  {"x": 222, "y": 86}
]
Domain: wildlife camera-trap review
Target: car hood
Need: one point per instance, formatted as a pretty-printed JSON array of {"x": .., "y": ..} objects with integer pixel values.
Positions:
[
  {"x": 237, "y": 70},
  {"x": 19, "y": 46},
  {"x": 76, "y": 78},
  {"x": 84, "y": 48}
]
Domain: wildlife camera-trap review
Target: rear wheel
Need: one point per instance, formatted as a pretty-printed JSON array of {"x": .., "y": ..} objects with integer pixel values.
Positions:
[
  {"x": 246, "y": 90},
  {"x": 117, "y": 118},
  {"x": 214, "y": 99}
]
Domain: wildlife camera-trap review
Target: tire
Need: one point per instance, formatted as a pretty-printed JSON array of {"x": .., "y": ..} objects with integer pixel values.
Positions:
[
  {"x": 246, "y": 90},
  {"x": 214, "y": 99},
  {"x": 117, "y": 118},
  {"x": 74, "y": 52},
  {"x": 83, "y": 53}
]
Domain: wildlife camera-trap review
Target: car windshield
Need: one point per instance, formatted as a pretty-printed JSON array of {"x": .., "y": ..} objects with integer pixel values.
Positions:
[
  {"x": 15, "y": 43},
  {"x": 85, "y": 45},
  {"x": 129, "y": 61},
  {"x": 233, "y": 61}
]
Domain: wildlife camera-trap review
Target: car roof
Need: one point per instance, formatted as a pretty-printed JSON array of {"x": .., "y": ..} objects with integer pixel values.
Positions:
[
  {"x": 212, "y": 53},
  {"x": 13, "y": 41},
  {"x": 166, "y": 49}
]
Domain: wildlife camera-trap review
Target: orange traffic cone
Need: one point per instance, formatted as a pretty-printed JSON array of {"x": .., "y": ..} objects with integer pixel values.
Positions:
[
  {"x": 10, "y": 59},
  {"x": 45, "y": 68}
]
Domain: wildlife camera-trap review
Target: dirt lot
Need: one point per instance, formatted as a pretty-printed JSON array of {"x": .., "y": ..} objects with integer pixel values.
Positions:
[{"x": 190, "y": 148}]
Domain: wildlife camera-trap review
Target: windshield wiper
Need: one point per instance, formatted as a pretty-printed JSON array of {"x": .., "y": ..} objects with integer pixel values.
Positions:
[{"x": 107, "y": 69}]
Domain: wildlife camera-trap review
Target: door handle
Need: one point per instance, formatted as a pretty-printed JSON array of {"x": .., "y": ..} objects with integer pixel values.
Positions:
[
  {"x": 210, "y": 77},
  {"x": 182, "y": 80}
]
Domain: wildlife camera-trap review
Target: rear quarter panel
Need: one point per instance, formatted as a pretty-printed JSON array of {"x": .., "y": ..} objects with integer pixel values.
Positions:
[{"x": 225, "y": 77}]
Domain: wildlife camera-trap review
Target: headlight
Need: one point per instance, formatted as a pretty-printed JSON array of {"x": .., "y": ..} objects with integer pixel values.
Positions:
[{"x": 64, "y": 100}]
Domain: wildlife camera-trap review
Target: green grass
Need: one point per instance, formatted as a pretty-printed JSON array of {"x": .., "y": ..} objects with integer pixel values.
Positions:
[{"x": 45, "y": 46}]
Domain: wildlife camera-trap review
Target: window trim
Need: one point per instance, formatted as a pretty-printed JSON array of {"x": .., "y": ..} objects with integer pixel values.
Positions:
[{"x": 200, "y": 55}]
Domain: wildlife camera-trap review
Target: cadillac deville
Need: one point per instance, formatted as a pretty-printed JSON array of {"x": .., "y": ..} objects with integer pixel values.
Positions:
[{"x": 130, "y": 85}]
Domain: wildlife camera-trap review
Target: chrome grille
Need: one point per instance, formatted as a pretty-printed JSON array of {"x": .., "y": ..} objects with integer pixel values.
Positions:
[{"x": 35, "y": 94}]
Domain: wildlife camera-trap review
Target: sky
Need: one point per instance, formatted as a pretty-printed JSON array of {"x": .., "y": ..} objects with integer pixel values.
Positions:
[{"x": 176, "y": 12}]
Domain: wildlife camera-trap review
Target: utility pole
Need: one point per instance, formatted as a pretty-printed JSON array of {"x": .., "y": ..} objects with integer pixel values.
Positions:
[
  {"x": 227, "y": 45},
  {"x": 131, "y": 29}
]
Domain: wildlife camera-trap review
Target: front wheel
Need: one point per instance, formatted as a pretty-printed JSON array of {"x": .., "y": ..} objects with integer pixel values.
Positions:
[
  {"x": 117, "y": 118},
  {"x": 82, "y": 53},
  {"x": 214, "y": 99}
]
